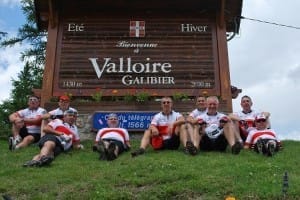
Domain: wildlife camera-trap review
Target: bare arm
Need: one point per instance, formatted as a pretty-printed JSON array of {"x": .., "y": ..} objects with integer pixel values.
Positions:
[
  {"x": 179, "y": 121},
  {"x": 234, "y": 117},
  {"x": 13, "y": 117},
  {"x": 153, "y": 129},
  {"x": 49, "y": 130}
]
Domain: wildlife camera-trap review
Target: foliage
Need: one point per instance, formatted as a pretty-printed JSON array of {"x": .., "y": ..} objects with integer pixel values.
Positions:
[
  {"x": 178, "y": 96},
  {"x": 2, "y": 34},
  {"x": 31, "y": 75},
  {"x": 129, "y": 97},
  {"x": 29, "y": 33},
  {"x": 27, "y": 79},
  {"x": 6, "y": 108},
  {"x": 97, "y": 96},
  {"x": 154, "y": 175},
  {"x": 142, "y": 96}
]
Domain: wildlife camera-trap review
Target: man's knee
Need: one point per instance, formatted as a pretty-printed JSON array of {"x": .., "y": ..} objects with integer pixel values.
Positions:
[
  {"x": 28, "y": 139},
  {"x": 49, "y": 143}
]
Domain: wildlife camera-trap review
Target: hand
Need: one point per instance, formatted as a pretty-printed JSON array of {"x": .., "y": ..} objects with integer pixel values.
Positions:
[
  {"x": 201, "y": 122},
  {"x": 19, "y": 122},
  {"x": 243, "y": 124},
  {"x": 224, "y": 119},
  {"x": 66, "y": 138},
  {"x": 154, "y": 132},
  {"x": 170, "y": 129}
]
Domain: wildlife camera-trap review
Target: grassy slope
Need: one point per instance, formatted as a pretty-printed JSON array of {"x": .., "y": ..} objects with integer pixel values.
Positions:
[{"x": 155, "y": 175}]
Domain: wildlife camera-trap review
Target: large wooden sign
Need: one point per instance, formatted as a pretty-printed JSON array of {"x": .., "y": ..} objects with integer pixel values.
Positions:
[
  {"x": 121, "y": 47},
  {"x": 156, "y": 53}
]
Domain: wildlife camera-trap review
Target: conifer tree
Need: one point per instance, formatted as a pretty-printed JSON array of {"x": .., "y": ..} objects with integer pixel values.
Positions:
[{"x": 30, "y": 76}]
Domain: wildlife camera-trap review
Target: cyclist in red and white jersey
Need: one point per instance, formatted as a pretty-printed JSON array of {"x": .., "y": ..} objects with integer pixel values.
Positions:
[
  {"x": 110, "y": 142},
  {"x": 26, "y": 124},
  {"x": 164, "y": 129}
]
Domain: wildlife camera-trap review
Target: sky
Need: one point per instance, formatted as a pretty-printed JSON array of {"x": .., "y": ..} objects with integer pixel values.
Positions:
[{"x": 264, "y": 59}]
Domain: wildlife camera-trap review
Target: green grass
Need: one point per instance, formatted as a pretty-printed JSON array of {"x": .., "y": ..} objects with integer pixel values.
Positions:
[{"x": 155, "y": 175}]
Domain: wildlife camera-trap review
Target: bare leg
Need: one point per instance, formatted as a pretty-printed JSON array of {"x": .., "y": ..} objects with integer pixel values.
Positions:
[
  {"x": 44, "y": 123},
  {"x": 146, "y": 139},
  {"x": 184, "y": 134},
  {"x": 236, "y": 130},
  {"x": 16, "y": 127},
  {"x": 25, "y": 142},
  {"x": 198, "y": 134},
  {"x": 144, "y": 143},
  {"x": 48, "y": 149},
  {"x": 229, "y": 133},
  {"x": 45, "y": 157}
]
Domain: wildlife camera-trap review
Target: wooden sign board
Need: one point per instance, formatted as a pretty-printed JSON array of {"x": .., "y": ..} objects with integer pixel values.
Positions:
[
  {"x": 121, "y": 47},
  {"x": 156, "y": 53}
]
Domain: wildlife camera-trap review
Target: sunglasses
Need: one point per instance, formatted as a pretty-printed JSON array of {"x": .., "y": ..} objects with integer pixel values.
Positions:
[
  {"x": 260, "y": 120},
  {"x": 33, "y": 99},
  {"x": 166, "y": 102}
]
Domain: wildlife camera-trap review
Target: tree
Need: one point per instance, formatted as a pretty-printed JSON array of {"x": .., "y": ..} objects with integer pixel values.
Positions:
[
  {"x": 31, "y": 34},
  {"x": 22, "y": 88},
  {"x": 34, "y": 58},
  {"x": 2, "y": 34}
]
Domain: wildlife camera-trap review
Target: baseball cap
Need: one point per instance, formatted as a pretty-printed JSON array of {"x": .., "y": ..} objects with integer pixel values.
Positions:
[
  {"x": 260, "y": 116},
  {"x": 70, "y": 112},
  {"x": 64, "y": 98},
  {"x": 112, "y": 115}
]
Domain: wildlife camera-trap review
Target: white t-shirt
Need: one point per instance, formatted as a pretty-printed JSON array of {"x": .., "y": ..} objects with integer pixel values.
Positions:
[
  {"x": 162, "y": 122},
  {"x": 255, "y": 134},
  {"x": 74, "y": 128},
  {"x": 119, "y": 134},
  {"x": 212, "y": 129},
  {"x": 247, "y": 117},
  {"x": 58, "y": 125},
  {"x": 195, "y": 113},
  {"x": 32, "y": 114}
]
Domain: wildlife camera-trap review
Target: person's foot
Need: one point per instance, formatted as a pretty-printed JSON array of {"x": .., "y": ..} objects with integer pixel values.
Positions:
[
  {"x": 31, "y": 163},
  {"x": 236, "y": 148},
  {"x": 260, "y": 146},
  {"x": 102, "y": 151},
  {"x": 18, "y": 139},
  {"x": 271, "y": 147},
  {"x": 95, "y": 148},
  {"x": 45, "y": 160},
  {"x": 138, "y": 152},
  {"x": 12, "y": 142},
  {"x": 103, "y": 156},
  {"x": 111, "y": 151},
  {"x": 11, "y": 145},
  {"x": 185, "y": 150},
  {"x": 191, "y": 148}
]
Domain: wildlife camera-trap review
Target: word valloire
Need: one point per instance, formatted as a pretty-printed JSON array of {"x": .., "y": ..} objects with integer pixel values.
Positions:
[{"x": 129, "y": 68}]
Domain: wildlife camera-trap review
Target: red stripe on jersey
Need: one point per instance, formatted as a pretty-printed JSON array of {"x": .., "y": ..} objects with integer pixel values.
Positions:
[
  {"x": 250, "y": 122},
  {"x": 37, "y": 123},
  {"x": 258, "y": 134},
  {"x": 163, "y": 130},
  {"x": 118, "y": 131},
  {"x": 64, "y": 130}
]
